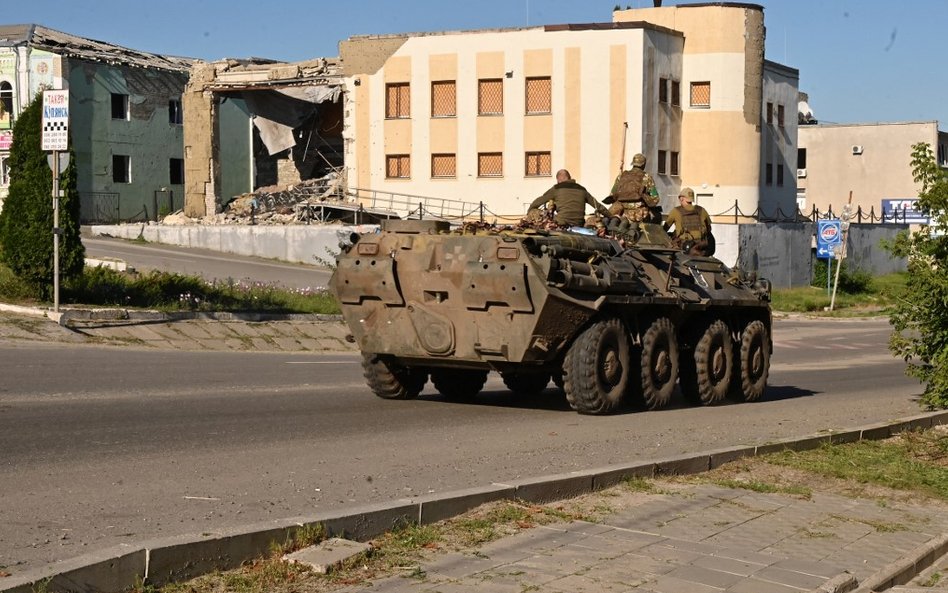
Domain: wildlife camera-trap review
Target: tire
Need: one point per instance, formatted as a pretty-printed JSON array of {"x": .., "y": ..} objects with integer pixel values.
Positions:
[
  {"x": 752, "y": 367},
  {"x": 713, "y": 362},
  {"x": 391, "y": 381},
  {"x": 597, "y": 370},
  {"x": 659, "y": 359},
  {"x": 458, "y": 384},
  {"x": 526, "y": 383}
]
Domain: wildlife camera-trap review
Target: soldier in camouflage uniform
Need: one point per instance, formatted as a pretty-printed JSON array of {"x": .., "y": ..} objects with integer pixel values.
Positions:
[
  {"x": 692, "y": 225},
  {"x": 633, "y": 194},
  {"x": 567, "y": 201}
]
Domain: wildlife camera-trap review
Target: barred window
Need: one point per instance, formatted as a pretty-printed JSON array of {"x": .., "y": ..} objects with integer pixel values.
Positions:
[
  {"x": 662, "y": 162},
  {"x": 398, "y": 166},
  {"x": 676, "y": 93},
  {"x": 444, "y": 165},
  {"x": 663, "y": 90},
  {"x": 539, "y": 95},
  {"x": 490, "y": 96},
  {"x": 444, "y": 98},
  {"x": 538, "y": 164},
  {"x": 490, "y": 164},
  {"x": 397, "y": 100},
  {"x": 673, "y": 163},
  {"x": 701, "y": 94}
]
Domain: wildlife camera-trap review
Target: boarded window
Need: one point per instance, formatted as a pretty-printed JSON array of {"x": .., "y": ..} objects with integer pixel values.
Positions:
[
  {"x": 539, "y": 95},
  {"x": 780, "y": 115},
  {"x": 490, "y": 96},
  {"x": 701, "y": 94},
  {"x": 444, "y": 99},
  {"x": 176, "y": 171},
  {"x": 119, "y": 106},
  {"x": 770, "y": 113},
  {"x": 538, "y": 164},
  {"x": 676, "y": 93},
  {"x": 662, "y": 162},
  {"x": 444, "y": 165},
  {"x": 397, "y": 100},
  {"x": 663, "y": 90},
  {"x": 121, "y": 168},
  {"x": 490, "y": 164},
  {"x": 398, "y": 166},
  {"x": 673, "y": 163}
]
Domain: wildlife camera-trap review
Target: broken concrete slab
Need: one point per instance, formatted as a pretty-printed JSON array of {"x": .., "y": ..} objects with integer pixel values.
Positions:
[{"x": 327, "y": 555}]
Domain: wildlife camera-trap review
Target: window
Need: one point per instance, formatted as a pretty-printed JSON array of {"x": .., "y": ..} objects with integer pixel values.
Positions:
[
  {"x": 119, "y": 106},
  {"x": 779, "y": 175},
  {"x": 490, "y": 96},
  {"x": 398, "y": 166},
  {"x": 490, "y": 164},
  {"x": 539, "y": 95},
  {"x": 121, "y": 168},
  {"x": 770, "y": 173},
  {"x": 662, "y": 162},
  {"x": 175, "y": 115},
  {"x": 397, "y": 101},
  {"x": 6, "y": 101},
  {"x": 176, "y": 171},
  {"x": 701, "y": 94},
  {"x": 538, "y": 164},
  {"x": 801, "y": 158},
  {"x": 780, "y": 115},
  {"x": 663, "y": 90},
  {"x": 444, "y": 99},
  {"x": 4, "y": 172},
  {"x": 676, "y": 93},
  {"x": 444, "y": 165},
  {"x": 673, "y": 164},
  {"x": 770, "y": 113}
]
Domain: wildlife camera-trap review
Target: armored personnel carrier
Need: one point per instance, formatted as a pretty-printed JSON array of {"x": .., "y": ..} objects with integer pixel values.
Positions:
[{"x": 609, "y": 320}]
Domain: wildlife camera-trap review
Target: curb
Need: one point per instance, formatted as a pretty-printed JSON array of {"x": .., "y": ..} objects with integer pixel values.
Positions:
[
  {"x": 67, "y": 317},
  {"x": 159, "y": 562}
]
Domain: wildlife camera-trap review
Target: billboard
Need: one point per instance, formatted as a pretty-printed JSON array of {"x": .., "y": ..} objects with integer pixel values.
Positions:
[{"x": 903, "y": 210}]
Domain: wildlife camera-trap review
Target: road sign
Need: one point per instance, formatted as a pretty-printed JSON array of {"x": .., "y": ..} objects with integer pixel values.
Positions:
[
  {"x": 55, "y": 120},
  {"x": 829, "y": 234}
]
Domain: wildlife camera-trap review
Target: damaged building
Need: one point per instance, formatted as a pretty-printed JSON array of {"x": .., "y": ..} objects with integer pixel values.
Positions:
[
  {"x": 125, "y": 117},
  {"x": 262, "y": 134}
]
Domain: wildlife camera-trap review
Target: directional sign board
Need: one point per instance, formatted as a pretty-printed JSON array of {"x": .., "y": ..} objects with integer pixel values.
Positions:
[
  {"x": 55, "y": 120},
  {"x": 829, "y": 235}
]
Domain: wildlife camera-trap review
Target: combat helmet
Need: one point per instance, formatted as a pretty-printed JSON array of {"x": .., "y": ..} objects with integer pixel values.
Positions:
[{"x": 638, "y": 160}]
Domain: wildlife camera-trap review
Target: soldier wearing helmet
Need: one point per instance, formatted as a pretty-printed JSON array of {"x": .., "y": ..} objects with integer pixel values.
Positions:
[
  {"x": 692, "y": 224},
  {"x": 633, "y": 194}
]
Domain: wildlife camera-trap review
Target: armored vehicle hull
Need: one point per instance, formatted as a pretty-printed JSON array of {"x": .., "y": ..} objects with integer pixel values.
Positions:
[{"x": 610, "y": 321}]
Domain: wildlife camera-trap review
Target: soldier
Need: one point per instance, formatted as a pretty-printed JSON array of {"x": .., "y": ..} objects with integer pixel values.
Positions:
[
  {"x": 692, "y": 225},
  {"x": 568, "y": 200},
  {"x": 634, "y": 193}
]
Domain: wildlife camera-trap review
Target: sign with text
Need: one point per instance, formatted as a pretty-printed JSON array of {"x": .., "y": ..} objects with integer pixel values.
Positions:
[
  {"x": 6, "y": 140},
  {"x": 903, "y": 210},
  {"x": 829, "y": 235},
  {"x": 55, "y": 120}
]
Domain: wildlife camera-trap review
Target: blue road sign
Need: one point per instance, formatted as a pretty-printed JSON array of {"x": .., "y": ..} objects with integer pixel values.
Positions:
[{"x": 829, "y": 234}]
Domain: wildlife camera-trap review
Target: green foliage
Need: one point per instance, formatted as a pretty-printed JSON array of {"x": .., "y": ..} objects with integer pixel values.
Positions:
[
  {"x": 851, "y": 281},
  {"x": 26, "y": 221},
  {"x": 920, "y": 318}
]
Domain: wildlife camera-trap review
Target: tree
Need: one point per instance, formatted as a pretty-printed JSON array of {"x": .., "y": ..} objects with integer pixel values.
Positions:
[
  {"x": 26, "y": 221},
  {"x": 920, "y": 318}
]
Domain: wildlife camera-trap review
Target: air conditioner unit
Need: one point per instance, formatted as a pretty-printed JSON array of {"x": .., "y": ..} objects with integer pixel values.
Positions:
[
  {"x": 801, "y": 173},
  {"x": 857, "y": 149}
]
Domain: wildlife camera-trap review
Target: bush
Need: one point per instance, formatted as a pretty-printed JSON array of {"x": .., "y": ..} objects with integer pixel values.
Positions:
[{"x": 851, "y": 281}]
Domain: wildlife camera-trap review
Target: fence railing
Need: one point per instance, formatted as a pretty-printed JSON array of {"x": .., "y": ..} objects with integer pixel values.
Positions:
[
  {"x": 860, "y": 216},
  {"x": 100, "y": 207}
]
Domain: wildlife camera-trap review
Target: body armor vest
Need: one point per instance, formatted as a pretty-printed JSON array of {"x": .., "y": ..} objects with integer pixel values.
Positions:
[
  {"x": 631, "y": 186},
  {"x": 691, "y": 223}
]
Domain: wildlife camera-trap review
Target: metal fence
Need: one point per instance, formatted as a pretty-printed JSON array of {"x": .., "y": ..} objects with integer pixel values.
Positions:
[
  {"x": 100, "y": 207},
  {"x": 860, "y": 216}
]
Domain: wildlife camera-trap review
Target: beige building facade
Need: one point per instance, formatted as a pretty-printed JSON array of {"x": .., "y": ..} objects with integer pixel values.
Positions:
[
  {"x": 490, "y": 116},
  {"x": 873, "y": 161}
]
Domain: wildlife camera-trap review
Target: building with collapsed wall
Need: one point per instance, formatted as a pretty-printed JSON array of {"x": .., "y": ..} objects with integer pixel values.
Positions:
[
  {"x": 125, "y": 117},
  {"x": 488, "y": 116}
]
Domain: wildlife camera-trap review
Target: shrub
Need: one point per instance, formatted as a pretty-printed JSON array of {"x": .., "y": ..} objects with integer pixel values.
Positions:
[{"x": 851, "y": 281}]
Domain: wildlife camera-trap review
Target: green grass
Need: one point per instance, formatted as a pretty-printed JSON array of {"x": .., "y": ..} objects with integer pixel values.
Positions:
[
  {"x": 765, "y": 488},
  {"x": 881, "y": 294},
  {"x": 164, "y": 291}
]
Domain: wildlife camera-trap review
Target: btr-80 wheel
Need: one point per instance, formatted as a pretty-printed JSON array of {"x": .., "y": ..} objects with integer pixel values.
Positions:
[
  {"x": 705, "y": 375},
  {"x": 753, "y": 363},
  {"x": 596, "y": 370},
  {"x": 458, "y": 384},
  {"x": 659, "y": 360},
  {"x": 391, "y": 381},
  {"x": 526, "y": 383}
]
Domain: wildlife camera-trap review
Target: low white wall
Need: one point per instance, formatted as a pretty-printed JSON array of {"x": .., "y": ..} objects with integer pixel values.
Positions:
[{"x": 308, "y": 244}]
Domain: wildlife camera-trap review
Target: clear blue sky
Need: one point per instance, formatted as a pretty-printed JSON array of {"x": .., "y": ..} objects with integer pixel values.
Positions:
[{"x": 859, "y": 60}]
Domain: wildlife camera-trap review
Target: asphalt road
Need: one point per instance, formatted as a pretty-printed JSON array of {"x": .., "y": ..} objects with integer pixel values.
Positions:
[
  {"x": 210, "y": 265},
  {"x": 104, "y": 446}
]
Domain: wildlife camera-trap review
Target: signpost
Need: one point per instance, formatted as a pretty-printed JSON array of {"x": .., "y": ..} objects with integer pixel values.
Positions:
[
  {"x": 904, "y": 210},
  {"x": 55, "y": 138}
]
